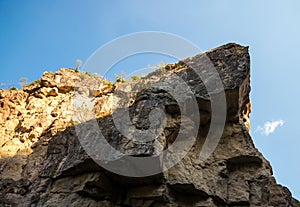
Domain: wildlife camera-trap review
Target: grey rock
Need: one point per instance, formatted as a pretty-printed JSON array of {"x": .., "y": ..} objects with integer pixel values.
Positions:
[{"x": 61, "y": 172}]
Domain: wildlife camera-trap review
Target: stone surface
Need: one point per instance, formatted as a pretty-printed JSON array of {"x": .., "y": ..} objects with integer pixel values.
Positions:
[{"x": 44, "y": 164}]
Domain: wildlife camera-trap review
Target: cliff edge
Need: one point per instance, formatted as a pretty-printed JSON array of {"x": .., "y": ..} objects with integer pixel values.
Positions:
[{"x": 52, "y": 154}]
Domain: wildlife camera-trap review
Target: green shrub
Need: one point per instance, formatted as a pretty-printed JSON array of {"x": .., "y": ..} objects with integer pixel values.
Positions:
[
  {"x": 109, "y": 83},
  {"x": 135, "y": 78},
  {"x": 119, "y": 79}
]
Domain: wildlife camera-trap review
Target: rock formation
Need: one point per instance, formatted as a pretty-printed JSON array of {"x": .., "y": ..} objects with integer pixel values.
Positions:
[{"x": 43, "y": 162}]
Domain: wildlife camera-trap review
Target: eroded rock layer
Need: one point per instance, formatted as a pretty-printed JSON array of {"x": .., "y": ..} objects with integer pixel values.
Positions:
[{"x": 43, "y": 162}]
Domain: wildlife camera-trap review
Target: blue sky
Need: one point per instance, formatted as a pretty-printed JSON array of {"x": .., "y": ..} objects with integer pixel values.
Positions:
[{"x": 47, "y": 35}]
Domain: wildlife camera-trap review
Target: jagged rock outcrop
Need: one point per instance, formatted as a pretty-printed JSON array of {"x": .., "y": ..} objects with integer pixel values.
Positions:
[{"x": 43, "y": 161}]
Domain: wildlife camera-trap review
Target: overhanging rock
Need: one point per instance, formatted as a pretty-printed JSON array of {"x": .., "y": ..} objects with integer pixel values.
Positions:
[{"x": 60, "y": 170}]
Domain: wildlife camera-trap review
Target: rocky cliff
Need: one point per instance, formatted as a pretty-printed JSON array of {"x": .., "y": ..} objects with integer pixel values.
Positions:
[{"x": 52, "y": 155}]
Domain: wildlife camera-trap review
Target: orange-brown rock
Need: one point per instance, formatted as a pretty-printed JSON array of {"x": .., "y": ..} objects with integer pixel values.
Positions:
[{"x": 43, "y": 162}]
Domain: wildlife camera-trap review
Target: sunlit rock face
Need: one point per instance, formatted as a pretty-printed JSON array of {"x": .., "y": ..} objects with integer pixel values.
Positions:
[{"x": 45, "y": 162}]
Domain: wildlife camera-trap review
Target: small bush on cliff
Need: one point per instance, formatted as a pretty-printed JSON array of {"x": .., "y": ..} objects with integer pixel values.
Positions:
[
  {"x": 78, "y": 64},
  {"x": 119, "y": 79},
  {"x": 109, "y": 83},
  {"x": 85, "y": 75},
  {"x": 135, "y": 78},
  {"x": 23, "y": 82}
]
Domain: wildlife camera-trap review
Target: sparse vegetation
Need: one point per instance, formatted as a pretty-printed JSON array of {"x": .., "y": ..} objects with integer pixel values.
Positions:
[
  {"x": 23, "y": 82},
  {"x": 78, "y": 64},
  {"x": 135, "y": 78},
  {"x": 37, "y": 81},
  {"x": 159, "y": 66},
  {"x": 119, "y": 79},
  {"x": 5, "y": 86},
  {"x": 162, "y": 65},
  {"x": 159, "y": 69},
  {"x": 109, "y": 83},
  {"x": 85, "y": 75}
]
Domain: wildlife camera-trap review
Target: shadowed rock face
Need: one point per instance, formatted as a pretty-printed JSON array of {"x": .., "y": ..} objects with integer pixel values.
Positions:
[{"x": 44, "y": 164}]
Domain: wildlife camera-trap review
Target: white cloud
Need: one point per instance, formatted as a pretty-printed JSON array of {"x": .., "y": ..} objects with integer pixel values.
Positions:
[{"x": 270, "y": 127}]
